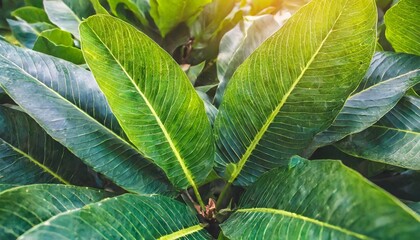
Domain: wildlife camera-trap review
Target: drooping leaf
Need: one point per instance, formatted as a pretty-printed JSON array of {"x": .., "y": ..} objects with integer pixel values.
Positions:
[
  {"x": 58, "y": 43},
  {"x": 31, "y": 14},
  {"x": 151, "y": 97},
  {"x": 68, "y": 14},
  {"x": 403, "y": 26},
  {"x": 390, "y": 75},
  {"x": 124, "y": 217},
  {"x": 28, "y": 155},
  {"x": 293, "y": 86},
  {"x": 167, "y": 14},
  {"x": 99, "y": 9},
  {"x": 66, "y": 101},
  {"x": 237, "y": 44},
  {"x": 138, "y": 7},
  {"x": 22, "y": 208},
  {"x": 27, "y": 33},
  {"x": 301, "y": 203},
  {"x": 394, "y": 140}
]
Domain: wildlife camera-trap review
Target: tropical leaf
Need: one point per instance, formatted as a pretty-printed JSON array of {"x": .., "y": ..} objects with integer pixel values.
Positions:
[
  {"x": 31, "y": 14},
  {"x": 403, "y": 26},
  {"x": 4, "y": 187},
  {"x": 237, "y": 44},
  {"x": 138, "y": 7},
  {"x": 394, "y": 140},
  {"x": 25, "y": 207},
  {"x": 68, "y": 14},
  {"x": 58, "y": 43},
  {"x": 66, "y": 101},
  {"x": 28, "y": 155},
  {"x": 27, "y": 33},
  {"x": 151, "y": 97},
  {"x": 293, "y": 86},
  {"x": 124, "y": 217},
  {"x": 390, "y": 75},
  {"x": 167, "y": 14},
  {"x": 97, "y": 5},
  {"x": 308, "y": 205}
]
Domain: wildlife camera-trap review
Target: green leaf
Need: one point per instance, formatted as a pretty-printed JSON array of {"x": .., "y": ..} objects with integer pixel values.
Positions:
[
  {"x": 124, "y": 217},
  {"x": 25, "y": 207},
  {"x": 301, "y": 203},
  {"x": 293, "y": 86},
  {"x": 403, "y": 26},
  {"x": 66, "y": 101},
  {"x": 4, "y": 187},
  {"x": 68, "y": 14},
  {"x": 58, "y": 43},
  {"x": 145, "y": 87},
  {"x": 28, "y": 155},
  {"x": 27, "y": 33},
  {"x": 138, "y": 7},
  {"x": 99, "y": 9},
  {"x": 167, "y": 14},
  {"x": 31, "y": 14},
  {"x": 390, "y": 75},
  {"x": 237, "y": 44},
  {"x": 394, "y": 140}
]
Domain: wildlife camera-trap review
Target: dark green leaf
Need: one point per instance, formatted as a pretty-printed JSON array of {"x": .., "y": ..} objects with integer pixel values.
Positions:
[
  {"x": 301, "y": 203},
  {"x": 145, "y": 87},
  {"x": 59, "y": 96},
  {"x": 293, "y": 86},
  {"x": 27, "y": 33},
  {"x": 22, "y": 208},
  {"x": 124, "y": 217},
  {"x": 31, "y": 14},
  {"x": 138, "y": 7},
  {"x": 394, "y": 140}
]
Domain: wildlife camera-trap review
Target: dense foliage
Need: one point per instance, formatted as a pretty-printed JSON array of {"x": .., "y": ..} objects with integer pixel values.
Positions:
[{"x": 200, "y": 119}]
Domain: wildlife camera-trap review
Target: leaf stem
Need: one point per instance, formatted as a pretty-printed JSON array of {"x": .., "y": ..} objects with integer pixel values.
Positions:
[
  {"x": 199, "y": 199},
  {"x": 225, "y": 192}
]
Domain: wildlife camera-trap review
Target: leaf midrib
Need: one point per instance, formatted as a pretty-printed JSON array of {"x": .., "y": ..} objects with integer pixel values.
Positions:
[
  {"x": 177, "y": 154},
  {"x": 397, "y": 129},
  {"x": 182, "y": 233},
  {"x": 272, "y": 116},
  {"x": 305, "y": 219}
]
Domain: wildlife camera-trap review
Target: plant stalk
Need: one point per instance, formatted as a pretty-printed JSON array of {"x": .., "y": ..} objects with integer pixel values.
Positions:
[
  {"x": 225, "y": 192},
  {"x": 199, "y": 199}
]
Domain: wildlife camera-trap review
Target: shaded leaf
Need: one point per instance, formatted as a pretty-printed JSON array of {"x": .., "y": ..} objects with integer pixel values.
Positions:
[
  {"x": 394, "y": 140},
  {"x": 24, "y": 207},
  {"x": 167, "y": 14},
  {"x": 151, "y": 97},
  {"x": 293, "y": 86},
  {"x": 138, "y": 7},
  {"x": 29, "y": 155},
  {"x": 31, "y": 14},
  {"x": 27, "y": 33},
  {"x": 67, "y": 14},
  {"x": 403, "y": 26},
  {"x": 390, "y": 75},
  {"x": 124, "y": 217},
  {"x": 66, "y": 101},
  {"x": 308, "y": 205}
]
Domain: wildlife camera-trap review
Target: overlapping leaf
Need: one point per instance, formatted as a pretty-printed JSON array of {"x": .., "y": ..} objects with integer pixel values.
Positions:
[
  {"x": 394, "y": 140},
  {"x": 28, "y": 155},
  {"x": 22, "y": 208},
  {"x": 293, "y": 86},
  {"x": 403, "y": 26},
  {"x": 300, "y": 203},
  {"x": 67, "y": 14},
  {"x": 124, "y": 217},
  {"x": 152, "y": 99},
  {"x": 66, "y": 101},
  {"x": 389, "y": 77},
  {"x": 27, "y": 33}
]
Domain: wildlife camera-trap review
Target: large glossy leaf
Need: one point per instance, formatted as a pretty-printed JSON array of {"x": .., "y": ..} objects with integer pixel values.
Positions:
[
  {"x": 390, "y": 75},
  {"x": 28, "y": 155},
  {"x": 237, "y": 44},
  {"x": 67, "y": 14},
  {"x": 22, "y": 208},
  {"x": 65, "y": 100},
  {"x": 403, "y": 26},
  {"x": 152, "y": 99},
  {"x": 319, "y": 200},
  {"x": 394, "y": 140},
  {"x": 124, "y": 217},
  {"x": 293, "y": 86},
  {"x": 167, "y": 14}
]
